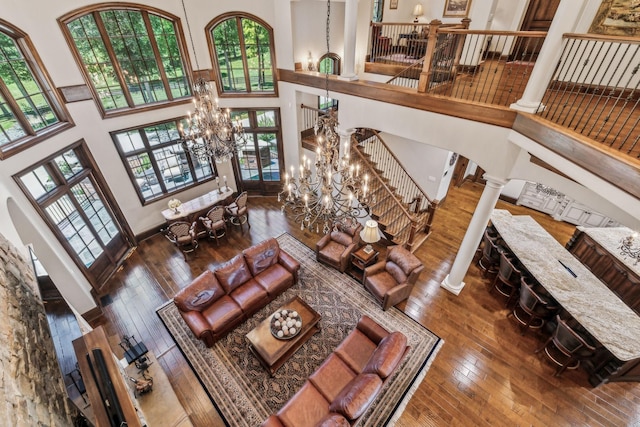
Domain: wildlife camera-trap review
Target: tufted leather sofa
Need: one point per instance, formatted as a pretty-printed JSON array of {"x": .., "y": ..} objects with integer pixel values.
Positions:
[
  {"x": 335, "y": 248},
  {"x": 217, "y": 301},
  {"x": 347, "y": 382}
]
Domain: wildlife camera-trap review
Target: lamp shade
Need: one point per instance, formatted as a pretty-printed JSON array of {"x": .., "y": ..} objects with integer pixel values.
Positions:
[
  {"x": 417, "y": 10},
  {"x": 370, "y": 233}
]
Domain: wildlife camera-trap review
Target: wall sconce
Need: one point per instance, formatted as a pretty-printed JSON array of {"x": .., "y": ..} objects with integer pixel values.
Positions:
[{"x": 311, "y": 65}]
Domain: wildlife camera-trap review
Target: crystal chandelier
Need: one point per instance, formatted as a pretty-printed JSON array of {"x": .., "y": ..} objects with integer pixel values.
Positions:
[
  {"x": 627, "y": 248},
  {"x": 210, "y": 133},
  {"x": 338, "y": 191},
  {"x": 548, "y": 191}
]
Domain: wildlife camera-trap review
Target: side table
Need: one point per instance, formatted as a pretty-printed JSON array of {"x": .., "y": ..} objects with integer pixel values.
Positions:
[{"x": 361, "y": 260}]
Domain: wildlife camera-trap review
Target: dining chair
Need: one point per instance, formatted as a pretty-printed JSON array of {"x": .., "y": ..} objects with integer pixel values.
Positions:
[
  {"x": 237, "y": 211},
  {"x": 214, "y": 223},
  {"x": 183, "y": 235}
]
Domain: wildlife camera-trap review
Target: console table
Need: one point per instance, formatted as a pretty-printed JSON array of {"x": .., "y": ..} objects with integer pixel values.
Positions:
[
  {"x": 191, "y": 210},
  {"x": 608, "y": 319}
]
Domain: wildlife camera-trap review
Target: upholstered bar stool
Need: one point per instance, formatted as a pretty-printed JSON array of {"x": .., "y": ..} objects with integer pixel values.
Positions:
[
  {"x": 566, "y": 347},
  {"x": 533, "y": 310},
  {"x": 507, "y": 281},
  {"x": 490, "y": 258}
]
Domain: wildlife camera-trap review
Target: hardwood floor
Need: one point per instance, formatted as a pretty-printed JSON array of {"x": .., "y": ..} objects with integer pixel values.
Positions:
[{"x": 486, "y": 373}]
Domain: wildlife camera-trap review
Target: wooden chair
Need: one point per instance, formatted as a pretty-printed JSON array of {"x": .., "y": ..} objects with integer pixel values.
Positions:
[
  {"x": 183, "y": 235},
  {"x": 533, "y": 309},
  {"x": 237, "y": 211},
  {"x": 214, "y": 223},
  {"x": 566, "y": 347},
  {"x": 507, "y": 281}
]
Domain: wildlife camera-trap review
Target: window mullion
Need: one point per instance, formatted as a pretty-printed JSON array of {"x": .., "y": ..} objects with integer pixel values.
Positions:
[
  {"x": 15, "y": 109},
  {"x": 243, "y": 49},
  {"x": 156, "y": 53},
  {"x": 113, "y": 58}
]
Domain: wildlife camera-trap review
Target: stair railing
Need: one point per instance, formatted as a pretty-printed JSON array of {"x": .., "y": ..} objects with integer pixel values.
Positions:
[{"x": 419, "y": 206}]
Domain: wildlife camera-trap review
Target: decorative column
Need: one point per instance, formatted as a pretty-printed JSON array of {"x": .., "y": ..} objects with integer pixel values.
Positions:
[
  {"x": 566, "y": 18},
  {"x": 350, "y": 27},
  {"x": 453, "y": 282}
]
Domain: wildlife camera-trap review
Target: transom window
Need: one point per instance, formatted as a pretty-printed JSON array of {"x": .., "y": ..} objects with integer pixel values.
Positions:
[
  {"x": 29, "y": 107},
  {"x": 131, "y": 58},
  {"x": 242, "y": 51},
  {"x": 156, "y": 161}
]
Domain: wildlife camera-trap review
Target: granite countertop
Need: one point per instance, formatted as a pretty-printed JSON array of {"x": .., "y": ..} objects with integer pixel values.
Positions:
[
  {"x": 610, "y": 238},
  {"x": 585, "y": 297},
  {"x": 198, "y": 204}
]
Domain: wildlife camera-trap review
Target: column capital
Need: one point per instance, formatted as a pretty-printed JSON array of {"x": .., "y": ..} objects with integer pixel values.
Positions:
[{"x": 494, "y": 181}]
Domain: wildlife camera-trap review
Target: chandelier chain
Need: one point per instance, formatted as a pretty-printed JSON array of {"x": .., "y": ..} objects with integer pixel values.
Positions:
[
  {"x": 193, "y": 46},
  {"x": 327, "y": 39}
]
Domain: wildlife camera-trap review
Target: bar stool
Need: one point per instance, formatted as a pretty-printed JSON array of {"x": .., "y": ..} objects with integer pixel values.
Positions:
[
  {"x": 507, "y": 281},
  {"x": 490, "y": 259},
  {"x": 237, "y": 211},
  {"x": 566, "y": 348},
  {"x": 533, "y": 309},
  {"x": 183, "y": 235}
]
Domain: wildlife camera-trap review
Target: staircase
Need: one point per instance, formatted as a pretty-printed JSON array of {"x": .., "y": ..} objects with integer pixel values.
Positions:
[{"x": 403, "y": 210}]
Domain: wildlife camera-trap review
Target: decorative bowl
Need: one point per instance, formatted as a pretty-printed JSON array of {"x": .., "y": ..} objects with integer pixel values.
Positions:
[{"x": 283, "y": 322}]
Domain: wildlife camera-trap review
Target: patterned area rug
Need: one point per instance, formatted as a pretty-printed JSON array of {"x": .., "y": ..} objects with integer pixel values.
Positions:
[{"x": 242, "y": 389}]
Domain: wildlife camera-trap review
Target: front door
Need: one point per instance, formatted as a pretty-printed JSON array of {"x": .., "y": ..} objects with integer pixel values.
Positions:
[
  {"x": 68, "y": 192},
  {"x": 259, "y": 161}
]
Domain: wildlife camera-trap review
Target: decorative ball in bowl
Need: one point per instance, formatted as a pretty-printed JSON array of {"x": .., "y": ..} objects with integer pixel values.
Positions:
[{"x": 285, "y": 324}]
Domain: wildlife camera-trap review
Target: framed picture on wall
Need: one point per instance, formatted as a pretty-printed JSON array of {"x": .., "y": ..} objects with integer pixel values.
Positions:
[
  {"x": 393, "y": 4},
  {"x": 456, "y": 8},
  {"x": 616, "y": 18}
]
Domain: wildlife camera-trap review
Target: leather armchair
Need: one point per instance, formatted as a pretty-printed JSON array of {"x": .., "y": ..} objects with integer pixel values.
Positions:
[
  {"x": 335, "y": 248},
  {"x": 391, "y": 281}
]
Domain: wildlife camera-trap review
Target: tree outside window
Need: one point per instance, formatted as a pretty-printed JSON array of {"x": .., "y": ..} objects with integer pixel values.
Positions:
[{"x": 242, "y": 49}]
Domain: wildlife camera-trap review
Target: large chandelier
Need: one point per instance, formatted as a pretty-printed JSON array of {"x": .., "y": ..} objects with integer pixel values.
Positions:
[
  {"x": 210, "y": 133},
  {"x": 338, "y": 191}
]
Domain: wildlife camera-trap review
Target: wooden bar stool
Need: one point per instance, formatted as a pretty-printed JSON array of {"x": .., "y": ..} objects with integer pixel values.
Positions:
[
  {"x": 533, "y": 310},
  {"x": 507, "y": 281}
]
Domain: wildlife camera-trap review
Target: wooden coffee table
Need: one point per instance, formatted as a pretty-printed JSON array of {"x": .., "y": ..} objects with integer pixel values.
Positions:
[{"x": 273, "y": 352}]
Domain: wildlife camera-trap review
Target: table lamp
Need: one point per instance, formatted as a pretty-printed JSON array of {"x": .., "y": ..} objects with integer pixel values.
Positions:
[
  {"x": 417, "y": 12},
  {"x": 370, "y": 235}
]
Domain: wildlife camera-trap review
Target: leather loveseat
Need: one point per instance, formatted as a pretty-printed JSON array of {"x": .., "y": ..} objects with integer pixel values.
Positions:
[
  {"x": 347, "y": 382},
  {"x": 217, "y": 301}
]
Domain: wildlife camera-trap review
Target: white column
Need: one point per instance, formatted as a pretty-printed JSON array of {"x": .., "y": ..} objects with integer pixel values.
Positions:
[
  {"x": 453, "y": 282},
  {"x": 350, "y": 27},
  {"x": 566, "y": 18}
]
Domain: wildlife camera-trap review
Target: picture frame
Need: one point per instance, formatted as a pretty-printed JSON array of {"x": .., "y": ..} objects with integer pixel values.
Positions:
[
  {"x": 456, "y": 8},
  {"x": 611, "y": 20},
  {"x": 393, "y": 4}
]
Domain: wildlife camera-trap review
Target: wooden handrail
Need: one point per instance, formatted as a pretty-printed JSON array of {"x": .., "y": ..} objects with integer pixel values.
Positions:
[
  {"x": 426, "y": 196},
  {"x": 533, "y": 34},
  {"x": 318, "y": 110},
  {"x": 602, "y": 37}
]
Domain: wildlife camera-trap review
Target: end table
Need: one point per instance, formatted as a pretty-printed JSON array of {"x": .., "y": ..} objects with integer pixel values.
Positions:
[{"x": 361, "y": 260}]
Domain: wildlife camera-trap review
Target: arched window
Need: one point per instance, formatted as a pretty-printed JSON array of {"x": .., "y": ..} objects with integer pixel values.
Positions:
[
  {"x": 30, "y": 109},
  {"x": 243, "y": 55},
  {"x": 131, "y": 57},
  {"x": 329, "y": 63}
]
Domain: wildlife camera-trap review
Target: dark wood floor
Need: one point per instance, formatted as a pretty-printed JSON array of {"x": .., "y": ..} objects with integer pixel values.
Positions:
[{"x": 485, "y": 374}]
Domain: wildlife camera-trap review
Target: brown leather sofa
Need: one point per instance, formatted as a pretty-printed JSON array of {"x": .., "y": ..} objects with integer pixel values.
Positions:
[
  {"x": 217, "y": 301},
  {"x": 347, "y": 382},
  {"x": 335, "y": 248},
  {"x": 391, "y": 280}
]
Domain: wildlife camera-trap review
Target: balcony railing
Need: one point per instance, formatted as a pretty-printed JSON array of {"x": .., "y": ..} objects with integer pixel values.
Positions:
[{"x": 595, "y": 90}]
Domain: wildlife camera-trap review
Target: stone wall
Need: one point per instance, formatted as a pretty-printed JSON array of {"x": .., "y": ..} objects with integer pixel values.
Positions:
[{"x": 32, "y": 391}]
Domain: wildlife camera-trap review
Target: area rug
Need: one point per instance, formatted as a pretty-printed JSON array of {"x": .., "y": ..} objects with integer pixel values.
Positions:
[{"x": 242, "y": 390}]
